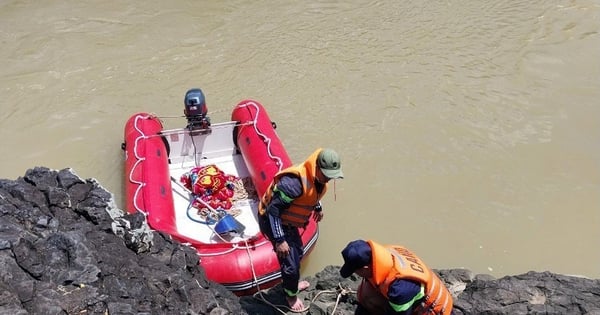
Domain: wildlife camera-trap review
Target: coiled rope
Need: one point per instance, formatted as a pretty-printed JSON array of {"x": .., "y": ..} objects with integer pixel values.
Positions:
[{"x": 340, "y": 291}]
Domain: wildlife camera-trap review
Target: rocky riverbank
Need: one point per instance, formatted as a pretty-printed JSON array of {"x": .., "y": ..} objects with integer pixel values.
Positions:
[{"x": 65, "y": 248}]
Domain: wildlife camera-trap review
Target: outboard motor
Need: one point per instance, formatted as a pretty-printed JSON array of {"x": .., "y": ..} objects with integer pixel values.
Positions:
[{"x": 195, "y": 110}]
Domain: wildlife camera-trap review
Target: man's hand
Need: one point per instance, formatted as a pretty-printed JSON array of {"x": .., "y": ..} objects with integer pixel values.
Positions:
[{"x": 282, "y": 249}]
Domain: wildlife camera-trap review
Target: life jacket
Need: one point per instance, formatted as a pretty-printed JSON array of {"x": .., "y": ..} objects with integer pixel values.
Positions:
[
  {"x": 301, "y": 208},
  {"x": 396, "y": 262}
]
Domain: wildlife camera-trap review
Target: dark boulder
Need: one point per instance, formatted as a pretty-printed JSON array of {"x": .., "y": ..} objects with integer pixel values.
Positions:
[{"x": 65, "y": 248}]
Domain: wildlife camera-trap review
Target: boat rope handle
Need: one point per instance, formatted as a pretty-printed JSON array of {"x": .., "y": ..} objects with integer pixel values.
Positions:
[
  {"x": 138, "y": 161},
  {"x": 266, "y": 139},
  {"x": 216, "y": 111}
]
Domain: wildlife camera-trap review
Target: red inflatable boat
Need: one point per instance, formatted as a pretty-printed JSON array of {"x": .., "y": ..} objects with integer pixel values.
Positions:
[{"x": 202, "y": 185}]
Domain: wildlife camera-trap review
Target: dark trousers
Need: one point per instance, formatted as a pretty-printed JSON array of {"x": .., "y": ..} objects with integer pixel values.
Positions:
[{"x": 290, "y": 265}]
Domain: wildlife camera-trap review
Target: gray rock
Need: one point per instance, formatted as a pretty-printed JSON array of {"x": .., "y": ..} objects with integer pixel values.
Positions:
[{"x": 59, "y": 254}]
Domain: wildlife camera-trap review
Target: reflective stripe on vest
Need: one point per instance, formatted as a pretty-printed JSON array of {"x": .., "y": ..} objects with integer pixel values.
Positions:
[{"x": 300, "y": 208}]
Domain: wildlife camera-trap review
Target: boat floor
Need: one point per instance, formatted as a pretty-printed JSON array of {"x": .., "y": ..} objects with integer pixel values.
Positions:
[{"x": 188, "y": 220}]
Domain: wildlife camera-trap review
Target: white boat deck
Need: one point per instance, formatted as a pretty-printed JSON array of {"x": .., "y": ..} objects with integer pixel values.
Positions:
[{"x": 217, "y": 147}]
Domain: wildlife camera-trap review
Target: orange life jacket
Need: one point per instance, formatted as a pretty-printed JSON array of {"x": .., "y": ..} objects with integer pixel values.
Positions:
[
  {"x": 396, "y": 262},
  {"x": 301, "y": 208}
]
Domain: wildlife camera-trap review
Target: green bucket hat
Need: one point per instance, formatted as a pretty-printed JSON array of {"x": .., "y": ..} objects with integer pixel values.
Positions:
[{"x": 330, "y": 164}]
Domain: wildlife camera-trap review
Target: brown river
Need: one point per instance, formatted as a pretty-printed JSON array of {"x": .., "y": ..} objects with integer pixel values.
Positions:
[{"x": 469, "y": 130}]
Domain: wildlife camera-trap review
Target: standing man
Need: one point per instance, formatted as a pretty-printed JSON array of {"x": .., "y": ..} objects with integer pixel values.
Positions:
[
  {"x": 287, "y": 205},
  {"x": 395, "y": 281}
]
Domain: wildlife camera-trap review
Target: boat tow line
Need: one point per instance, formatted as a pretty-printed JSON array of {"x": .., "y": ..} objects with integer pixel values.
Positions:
[{"x": 340, "y": 291}]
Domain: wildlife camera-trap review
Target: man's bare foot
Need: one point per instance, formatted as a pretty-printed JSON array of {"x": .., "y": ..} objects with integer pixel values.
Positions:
[
  {"x": 303, "y": 285},
  {"x": 295, "y": 303}
]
